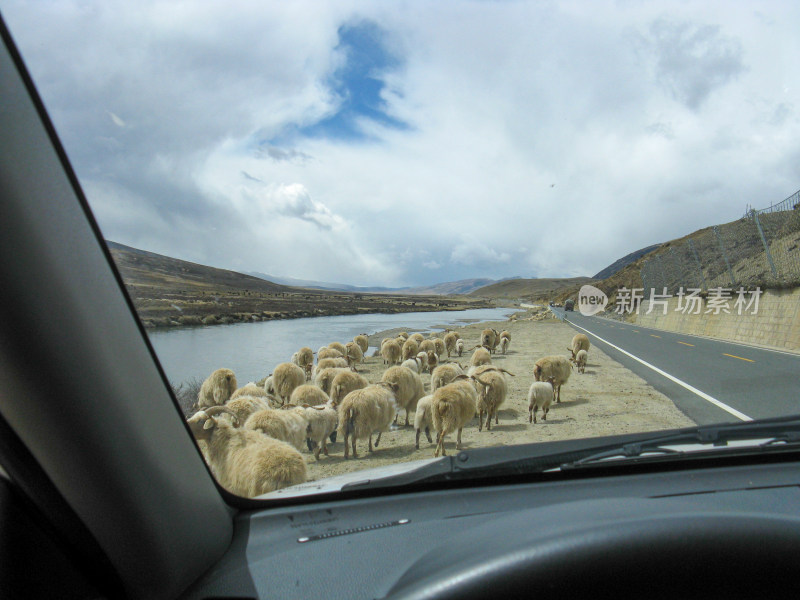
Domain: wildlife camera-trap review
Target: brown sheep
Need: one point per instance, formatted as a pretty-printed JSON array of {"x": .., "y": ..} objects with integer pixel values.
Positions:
[
  {"x": 286, "y": 424},
  {"x": 365, "y": 411},
  {"x": 363, "y": 342},
  {"x": 285, "y": 378},
  {"x": 391, "y": 353},
  {"x": 410, "y": 349},
  {"x": 409, "y": 387},
  {"x": 579, "y": 342},
  {"x": 492, "y": 394},
  {"x": 308, "y": 394},
  {"x": 344, "y": 383},
  {"x": 217, "y": 389},
  {"x": 557, "y": 366},
  {"x": 450, "y": 340},
  {"x": 452, "y": 408}
]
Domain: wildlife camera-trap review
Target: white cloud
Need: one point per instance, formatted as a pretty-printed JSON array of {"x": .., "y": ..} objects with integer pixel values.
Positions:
[{"x": 651, "y": 119}]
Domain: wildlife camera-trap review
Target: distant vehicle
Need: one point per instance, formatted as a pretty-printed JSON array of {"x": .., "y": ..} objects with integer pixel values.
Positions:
[{"x": 569, "y": 304}]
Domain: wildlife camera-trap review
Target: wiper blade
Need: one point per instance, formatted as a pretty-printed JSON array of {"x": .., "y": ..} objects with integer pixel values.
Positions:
[{"x": 526, "y": 459}]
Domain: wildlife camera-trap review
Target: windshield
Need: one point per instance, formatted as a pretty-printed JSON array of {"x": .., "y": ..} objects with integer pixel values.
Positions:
[{"x": 361, "y": 235}]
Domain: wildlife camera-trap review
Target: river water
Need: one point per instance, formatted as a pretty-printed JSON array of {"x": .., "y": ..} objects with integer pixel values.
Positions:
[{"x": 253, "y": 349}]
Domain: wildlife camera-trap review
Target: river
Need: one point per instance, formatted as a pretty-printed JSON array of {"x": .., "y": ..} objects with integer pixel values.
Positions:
[{"x": 253, "y": 349}]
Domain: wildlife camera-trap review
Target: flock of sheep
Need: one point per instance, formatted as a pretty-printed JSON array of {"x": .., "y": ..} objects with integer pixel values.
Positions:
[{"x": 252, "y": 436}]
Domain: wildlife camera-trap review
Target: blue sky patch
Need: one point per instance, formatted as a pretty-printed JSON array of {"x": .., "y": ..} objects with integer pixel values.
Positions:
[{"x": 358, "y": 83}]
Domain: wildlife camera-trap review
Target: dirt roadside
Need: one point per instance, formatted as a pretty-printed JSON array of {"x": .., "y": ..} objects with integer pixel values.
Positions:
[{"x": 607, "y": 399}]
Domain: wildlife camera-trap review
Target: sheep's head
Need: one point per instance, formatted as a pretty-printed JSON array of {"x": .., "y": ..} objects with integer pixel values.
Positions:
[{"x": 203, "y": 423}]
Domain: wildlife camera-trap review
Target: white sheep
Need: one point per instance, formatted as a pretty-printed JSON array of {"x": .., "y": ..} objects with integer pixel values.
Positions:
[
  {"x": 440, "y": 346},
  {"x": 409, "y": 387},
  {"x": 322, "y": 422},
  {"x": 391, "y": 353},
  {"x": 251, "y": 389},
  {"x": 540, "y": 395},
  {"x": 417, "y": 337},
  {"x": 344, "y": 383},
  {"x": 217, "y": 388},
  {"x": 459, "y": 347},
  {"x": 444, "y": 374},
  {"x": 422, "y": 359},
  {"x": 244, "y": 406},
  {"x": 324, "y": 377},
  {"x": 427, "y": 346},
  {"x": 413, "y": 364},
  {"x": 423, "y": 419},
  {"x": 556, "y": 366},
  {"x": 452, "y": 408},
  {"x": 450, "y": 341},
  {"x": 504, "y": 342},
  {"x": 285, "y": 378},
  {"x": 285, "y": 424},
  {"x": 332, "y": 363},
  {"x": 580, "y": 360},
  {"x": 579, "y": 342},
  {"x": 492, "y": 394},
  {"x": 309, "y": 394},
  {"x": 363, "y": 342},
  {"x": 481, "y": 356},
  {"x": 305, "y": 360},
  {"x": 353, "y": 354},
  {"x": 339, "y": 347},
  {"x": 326, "y": 352},
  {"x": 365, "y": 411},
  {"x": 245, "y": 462},
  {"x": 410, "y": 348}
]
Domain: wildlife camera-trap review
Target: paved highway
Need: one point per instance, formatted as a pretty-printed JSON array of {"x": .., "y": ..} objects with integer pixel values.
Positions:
[{"x": 711, "y": 381}]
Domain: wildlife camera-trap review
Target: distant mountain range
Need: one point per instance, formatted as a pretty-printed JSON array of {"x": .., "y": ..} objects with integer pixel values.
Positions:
[
  {"x": 623, "y": 262},
  {"x": 463, "y": 286}
]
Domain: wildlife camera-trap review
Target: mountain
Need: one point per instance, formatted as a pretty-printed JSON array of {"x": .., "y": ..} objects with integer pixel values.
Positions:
[
  {"x": 522, "y": 288},
  {"x": 623, "y": 262}
]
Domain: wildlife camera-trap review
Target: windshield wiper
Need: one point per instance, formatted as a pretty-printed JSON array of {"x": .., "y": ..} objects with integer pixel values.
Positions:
[{"x": 526, "y": 459}]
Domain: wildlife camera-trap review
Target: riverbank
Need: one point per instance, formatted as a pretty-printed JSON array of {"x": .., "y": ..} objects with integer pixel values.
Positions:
[{"x": 607, "y": 400}]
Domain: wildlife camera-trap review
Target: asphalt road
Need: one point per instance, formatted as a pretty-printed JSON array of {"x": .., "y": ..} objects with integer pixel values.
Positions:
[{"x": 717, "y": 381}]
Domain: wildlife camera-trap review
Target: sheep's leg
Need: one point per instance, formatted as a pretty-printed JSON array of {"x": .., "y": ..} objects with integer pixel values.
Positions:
[
  {"x": 489, "y": 420},
  {"x": 406, "y": 417},
  {"x": 378, "y": 441},
  {"x": 428, "y": 434},
  {"x": 316, "y": 452},
  {"x": 370, "y": 443},
  {"x": 544, "y": 414},
  {"x": 496, "y": 419},
  {"x": 310, "y": 444},
  {"x": 346, "y": 446},
  {"x": 558, "y": 396},
  {"x": 530, "y": 415},
  {"x": 458, "y": 439},
  {"x": 353, "y": 438},
  {"x": 438, "y": 444},
  {"x": 480, "y": 420},
  {"x": 417, "y": 442},
  {"x": 332, "y": 437}
]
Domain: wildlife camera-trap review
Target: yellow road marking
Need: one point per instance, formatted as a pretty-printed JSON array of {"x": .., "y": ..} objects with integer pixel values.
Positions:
[
  {"x": 685, "y": 344},
  {"x": 653, "y": 335},
  {"x": 739, "y": 357}
]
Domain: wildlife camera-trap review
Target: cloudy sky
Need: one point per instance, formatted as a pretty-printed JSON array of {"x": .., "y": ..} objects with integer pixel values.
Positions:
[{"x": 414, "y": 142}]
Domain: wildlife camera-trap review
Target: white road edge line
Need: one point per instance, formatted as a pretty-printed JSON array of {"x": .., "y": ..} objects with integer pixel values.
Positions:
[{"x": 694, "y": 390}]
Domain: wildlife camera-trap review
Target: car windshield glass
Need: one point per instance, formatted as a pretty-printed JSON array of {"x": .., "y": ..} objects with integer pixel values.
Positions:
[{"x": 363, "y": 235}]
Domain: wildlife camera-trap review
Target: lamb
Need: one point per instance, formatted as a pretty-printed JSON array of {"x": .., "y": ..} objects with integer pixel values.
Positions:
[
  {"x": 251, "y": 389},
  {"x": 332, "y": 363},
  {"x": 504, "y": 342},
  {"x": 453, "y": 406},
  {"x": 410, "y": 349},
  {"x": 422, "y": 359},
  {"x": 450, "y": 341},
  {"x": 459, "y": 347},
  {"x": 344, "y": 383},
  {"x": 363, "y": 342},
  {"x": 308, "y": 394},
  {"x": 489, "y": 339},
  {"x": 216, "y": 389},
  {"x": 305, "y": 360},
  {"x": 285, "y": 378},
  {"x": 322, "y": 422},
  {"x": 413, "y": 364},
  {"x": 365, "y": 411},
  {"x": 286, "y": 424},
  {"x": 444, "y": 374},
  {"x": 556, "y": 366},
  {"x": 244, "y": 406},
  {"x": 409, "y": 387},
  {"x": 324, "y": 377},
  {"x": 580, "y": 360},
  {"x": 540, "y": 395},
  {"x": 354, "y": 354},
  {"x": 491, "y": 396},
  {"x": 391, "y": 353},
  {"x": 246, "y": 463},
  {"x": 481, "y": 356},
  {"x": 423, "y": 418},
  {"x": 579, "y": 342}
]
